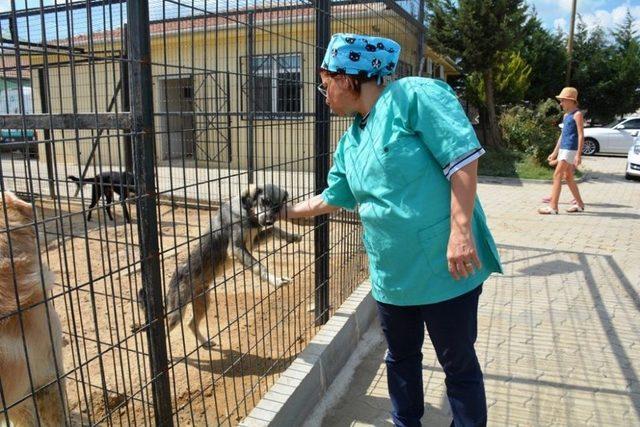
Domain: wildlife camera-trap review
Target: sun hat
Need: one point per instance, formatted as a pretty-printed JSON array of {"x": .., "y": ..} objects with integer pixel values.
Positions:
[
  {"x": 361, "y": 55},
  {"x": 568, "y": 93}
]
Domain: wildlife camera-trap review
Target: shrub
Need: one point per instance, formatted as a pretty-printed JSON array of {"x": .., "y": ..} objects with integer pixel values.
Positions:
[{"x": 531, "y": 131}]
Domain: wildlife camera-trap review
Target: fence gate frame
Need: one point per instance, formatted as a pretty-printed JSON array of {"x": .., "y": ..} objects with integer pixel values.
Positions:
[{"x": 142, "y": 130}]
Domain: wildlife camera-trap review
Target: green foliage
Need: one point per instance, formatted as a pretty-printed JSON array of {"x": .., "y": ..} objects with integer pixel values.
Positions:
[
  {"x": 509, "y": 163},
  {"x": 499, "y": 163},
  {"x": 593, "y": 71},
  {"x": 627, "y": 65},
  {"x": 606, "y": 71},
  {"x": 532, "y": 131},
  {"x": 474, "y": 31},
  {"x": 511, "y": 79},
  {"x": 546, "y": 54},
  {"x": 549, "y": 111}
]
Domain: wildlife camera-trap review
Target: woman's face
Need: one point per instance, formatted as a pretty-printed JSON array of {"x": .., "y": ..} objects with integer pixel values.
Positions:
[
  {"x": 567, "y": 104},
  {"x": 340, "y": 98}
]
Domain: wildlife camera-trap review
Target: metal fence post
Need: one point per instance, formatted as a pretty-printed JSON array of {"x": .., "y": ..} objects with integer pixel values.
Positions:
[
  {"x": 126, "y": 106},
  {"x": 322, "y": 151},
  {"x": 142, "y": 129},
  {"x": 420, "y": 34},
  {"x": 43, "y": 81},
  {"x": 252, "y": 102}
]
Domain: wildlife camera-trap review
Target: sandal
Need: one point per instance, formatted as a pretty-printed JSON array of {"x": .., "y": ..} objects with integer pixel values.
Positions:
[
  {"x": 575, "y": 208},
  {"x": 547, "y": 199},
  {"x": 547, "y": 210}
]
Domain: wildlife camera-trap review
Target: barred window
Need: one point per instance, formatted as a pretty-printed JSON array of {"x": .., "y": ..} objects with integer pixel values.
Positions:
[{"x": 277, "y": 84}]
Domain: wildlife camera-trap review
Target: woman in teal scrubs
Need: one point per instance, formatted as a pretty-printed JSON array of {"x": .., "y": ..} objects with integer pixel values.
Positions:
[{"x": 408, "y": 164}]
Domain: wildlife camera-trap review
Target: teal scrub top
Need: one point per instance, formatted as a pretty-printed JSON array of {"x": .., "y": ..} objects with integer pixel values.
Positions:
[{"x": 394, "y": 171}]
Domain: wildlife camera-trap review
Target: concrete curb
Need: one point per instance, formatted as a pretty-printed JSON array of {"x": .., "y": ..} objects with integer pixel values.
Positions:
[
  {"x": 298, "y": 390},
  {"x": 488, "y": 179}
]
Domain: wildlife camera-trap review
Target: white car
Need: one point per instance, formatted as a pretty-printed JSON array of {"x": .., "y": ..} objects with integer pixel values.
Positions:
[
  {"x": 615, "y": 138},
  {"x": 633, "y": 161}
]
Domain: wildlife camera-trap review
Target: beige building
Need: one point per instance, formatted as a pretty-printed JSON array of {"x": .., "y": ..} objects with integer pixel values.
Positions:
[
  {"x": 438, "y": 66},
  {"x": 201, "y": 85}
]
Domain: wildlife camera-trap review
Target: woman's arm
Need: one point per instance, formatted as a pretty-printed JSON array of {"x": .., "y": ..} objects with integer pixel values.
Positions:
[
  {"x": 556, "y": 149},
  {"x": 307, "y": 209},
  {"x": 580, "y": 127},
  {"x": 461, "y": 251}
]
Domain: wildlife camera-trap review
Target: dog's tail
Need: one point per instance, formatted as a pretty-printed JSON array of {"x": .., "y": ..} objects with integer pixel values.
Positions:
[
  {"x": 85, "y": 181},
  {"x": 76, "y": 180},
  {"x": 190, "y": 281}
]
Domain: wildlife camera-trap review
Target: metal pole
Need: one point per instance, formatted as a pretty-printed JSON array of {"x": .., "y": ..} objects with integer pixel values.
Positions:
[
  {"x": 420, "y": 38},
  {"x": 139, "y": 53},
  {"x": 126, "y": 106},
  {"x": 43, "y": 80},
  {"x": 13, "y": 30},
  {"x": 251, "y": 101},
  {"x": 570, "y": 42},
  {"x": 321, "y": 153}
]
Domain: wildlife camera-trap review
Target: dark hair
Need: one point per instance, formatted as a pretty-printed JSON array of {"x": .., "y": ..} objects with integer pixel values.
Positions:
[{"x": 355, "y": 82}]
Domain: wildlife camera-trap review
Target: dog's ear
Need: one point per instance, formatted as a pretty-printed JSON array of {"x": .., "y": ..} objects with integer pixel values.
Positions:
[
  {"x": 250, "y": 196},
  {"x": 12, "y": 201},
  {"x": 285, "y": 197}
]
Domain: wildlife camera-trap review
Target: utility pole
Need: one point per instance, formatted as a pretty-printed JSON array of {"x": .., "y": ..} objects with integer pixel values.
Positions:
[{"x": 570, "y": 43}]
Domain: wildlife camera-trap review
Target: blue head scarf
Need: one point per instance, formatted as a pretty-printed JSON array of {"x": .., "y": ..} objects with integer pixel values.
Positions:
[{"x": 361, "y": 55}]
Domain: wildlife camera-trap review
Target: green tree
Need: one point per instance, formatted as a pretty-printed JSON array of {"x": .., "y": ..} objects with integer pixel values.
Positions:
[
  {"x": 546, "y": 54},
  {"x": 625, "y": 35},
  {"x": 476, "y": 32},
  {"x": 627, "y": 65},
  {"x": 512, "y": 76},
  {"x": 594, "y": 73}
]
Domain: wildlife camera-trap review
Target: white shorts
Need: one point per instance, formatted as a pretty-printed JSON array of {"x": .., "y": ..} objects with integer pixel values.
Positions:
[{"x": 568, "y": 156}]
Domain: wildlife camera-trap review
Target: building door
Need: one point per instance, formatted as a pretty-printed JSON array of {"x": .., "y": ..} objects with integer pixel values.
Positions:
[{"x": 175, "y": 95}]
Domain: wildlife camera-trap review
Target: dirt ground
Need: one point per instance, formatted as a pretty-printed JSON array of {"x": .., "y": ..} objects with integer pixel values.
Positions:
[{"x": 257, "y": 330}]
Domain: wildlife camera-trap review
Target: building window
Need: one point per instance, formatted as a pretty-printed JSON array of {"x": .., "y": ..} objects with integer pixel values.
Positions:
[
  {"x": 277, "y": 85},
  {"x": 438, "y": 71}
]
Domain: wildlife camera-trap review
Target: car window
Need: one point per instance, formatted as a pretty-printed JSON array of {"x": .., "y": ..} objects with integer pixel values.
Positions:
[
  {"x": 613, "y": 124},
  {"x": 632, "y": 124}
]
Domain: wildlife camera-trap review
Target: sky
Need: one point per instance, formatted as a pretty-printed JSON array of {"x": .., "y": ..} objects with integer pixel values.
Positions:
[{"x": 604, "y": 13}]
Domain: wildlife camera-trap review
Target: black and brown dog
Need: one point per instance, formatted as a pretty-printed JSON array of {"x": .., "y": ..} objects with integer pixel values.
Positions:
[
  {"x": 104, "y": 185},
  {"x": 239, "y": 224}
]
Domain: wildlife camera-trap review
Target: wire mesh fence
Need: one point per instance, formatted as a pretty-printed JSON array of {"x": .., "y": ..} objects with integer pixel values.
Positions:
[{"x": 150, "y": 143}]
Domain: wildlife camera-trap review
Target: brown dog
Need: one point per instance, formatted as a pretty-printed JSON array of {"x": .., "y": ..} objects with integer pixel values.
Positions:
[{"x": 28, "y": 322}]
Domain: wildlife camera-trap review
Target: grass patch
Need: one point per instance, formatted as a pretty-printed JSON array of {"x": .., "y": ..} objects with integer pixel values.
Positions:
[{"x": 512, "y": 164}]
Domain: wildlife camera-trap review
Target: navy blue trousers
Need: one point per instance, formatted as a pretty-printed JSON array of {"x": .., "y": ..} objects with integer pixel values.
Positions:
[{"x": 452, "y": 326}]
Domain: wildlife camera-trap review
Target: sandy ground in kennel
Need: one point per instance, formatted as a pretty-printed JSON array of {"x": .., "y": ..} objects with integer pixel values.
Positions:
[{"x": 99, "y": 275}]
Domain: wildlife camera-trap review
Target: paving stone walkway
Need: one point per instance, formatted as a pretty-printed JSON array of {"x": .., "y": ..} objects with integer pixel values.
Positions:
[{"x": 559, "y": 332}]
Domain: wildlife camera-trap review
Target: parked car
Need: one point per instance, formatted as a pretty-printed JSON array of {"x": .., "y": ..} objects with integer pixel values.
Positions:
[
  {"x": 633, "y": 161},
  {"x": 17, "y": 135},
  {"x": 614, "y": 138}
]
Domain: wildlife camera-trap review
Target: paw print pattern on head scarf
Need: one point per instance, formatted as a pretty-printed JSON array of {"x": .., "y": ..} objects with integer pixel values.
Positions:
[
  {"x": 361, "y": 55},
  {"x": 354, "y": 56}
]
